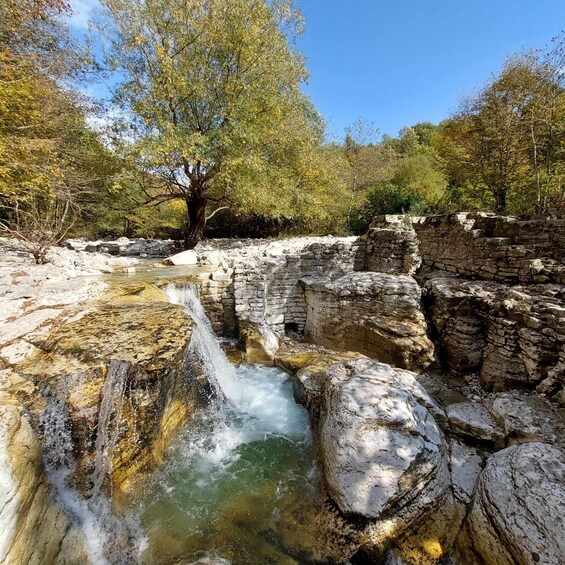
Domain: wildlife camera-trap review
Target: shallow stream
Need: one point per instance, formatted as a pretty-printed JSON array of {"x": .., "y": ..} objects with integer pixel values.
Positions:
[{"x": 239, "y": 474}]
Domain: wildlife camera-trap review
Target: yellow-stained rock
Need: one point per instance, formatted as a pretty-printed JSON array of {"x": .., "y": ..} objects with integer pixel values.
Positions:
[
  {"x": 160, "y": 391},
  {"x": 309, "y": 369},
  {"x": 35, "y": 528}
]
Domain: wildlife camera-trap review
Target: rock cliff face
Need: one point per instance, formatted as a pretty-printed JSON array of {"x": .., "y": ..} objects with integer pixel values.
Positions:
[
  {"x": 376, "y": 314},
  {"x": 35, "y": 527},
  {"x": 493, "y": 290}
]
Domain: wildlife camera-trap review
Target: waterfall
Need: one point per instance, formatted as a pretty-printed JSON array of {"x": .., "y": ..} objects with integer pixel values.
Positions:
[
  {"x": 251, "y": 393},
  {"x": 109, "y": 539},
  {"x": 204, "y": 344},
  {"x": 57, "y": 447},
  {"x": 109, "y": 416}
]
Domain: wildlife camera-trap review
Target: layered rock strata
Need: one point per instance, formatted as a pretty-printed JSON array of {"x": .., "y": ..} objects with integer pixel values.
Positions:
[{"x": 376, "y": 314}]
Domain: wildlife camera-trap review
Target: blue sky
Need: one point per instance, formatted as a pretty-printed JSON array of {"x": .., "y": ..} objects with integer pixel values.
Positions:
[{"x": 398, "y": 62}]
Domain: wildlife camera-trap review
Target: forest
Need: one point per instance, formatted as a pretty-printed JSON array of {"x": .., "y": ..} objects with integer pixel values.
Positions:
[{"x": 209, "y": 133}]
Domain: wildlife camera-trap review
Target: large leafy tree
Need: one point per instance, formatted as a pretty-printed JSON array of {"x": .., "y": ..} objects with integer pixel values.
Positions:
[
  {"x": 508, "y": 140},
  {"x": 212, "y": 91}
]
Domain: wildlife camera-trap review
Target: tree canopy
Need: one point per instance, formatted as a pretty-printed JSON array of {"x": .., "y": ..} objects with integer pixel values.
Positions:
[{"x": 213, "y": 93}]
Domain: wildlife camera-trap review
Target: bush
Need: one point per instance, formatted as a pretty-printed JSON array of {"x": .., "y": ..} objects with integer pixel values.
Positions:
[{"x": 384, "y": 198}]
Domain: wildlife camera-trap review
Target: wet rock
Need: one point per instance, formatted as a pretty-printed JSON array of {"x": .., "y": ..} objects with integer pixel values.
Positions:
[
  {"x": 474, "y": 421},
  {"x": 384, "y": 457},
  {"x": 35, "y": 528},
  {"x": 528, "y": 418},
  {"x": 156, "y": 396},
  {"x": 310, "y": 370},
  {"x": 261, "y": 344},
  {"x": 517, "y": 513},
  {"x": 376, "y": 314}
]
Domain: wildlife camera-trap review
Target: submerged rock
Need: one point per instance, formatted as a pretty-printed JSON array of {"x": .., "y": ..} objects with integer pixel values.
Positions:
[
  {"x": 517, "y": 513},
  {"x": 383, "y": 455}
]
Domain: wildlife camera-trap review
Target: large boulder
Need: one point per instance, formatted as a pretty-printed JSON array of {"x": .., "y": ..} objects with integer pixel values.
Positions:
[
  {"x": 517, "y": 514},
  {"x": 188, "y": 257},
  {"x": 376, "y": 314},
  {"x": 384, "y": 457},
  {"x": 122, "y": 375}
]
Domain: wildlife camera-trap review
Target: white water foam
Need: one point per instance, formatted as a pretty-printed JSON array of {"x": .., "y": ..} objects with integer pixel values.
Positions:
[
  {"x": 109, "y": 539},
  {"x": 255, "y": 406}
]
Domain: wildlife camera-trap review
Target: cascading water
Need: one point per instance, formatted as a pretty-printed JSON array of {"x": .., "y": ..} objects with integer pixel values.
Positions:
[
  {"x": 108, "y": 539},
  {"x": 238, "y": 471},
  {"x": 233, "y": 484},
  {"x": 109, "y": 416}
]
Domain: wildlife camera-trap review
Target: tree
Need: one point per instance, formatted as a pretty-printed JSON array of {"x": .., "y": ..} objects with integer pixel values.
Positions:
[
  {"x": 508, "y": 139},
  {"x": 369, "y": 163},
  {"x": 212, "y": 89}
]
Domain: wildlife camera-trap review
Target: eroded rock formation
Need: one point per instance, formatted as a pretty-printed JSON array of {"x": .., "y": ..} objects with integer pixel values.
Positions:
[
  {"x": 517, "y": 512},
  {"x": 376, "y": 314}
]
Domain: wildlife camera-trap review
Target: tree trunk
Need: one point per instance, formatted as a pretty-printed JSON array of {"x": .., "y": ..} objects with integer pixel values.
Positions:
[
  {"x": 196, "y": 209},
  {"x": 500, "y": 201}
]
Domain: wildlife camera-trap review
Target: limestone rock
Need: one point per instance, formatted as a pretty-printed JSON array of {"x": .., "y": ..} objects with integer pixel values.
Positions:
[
  {"x": 310, "y": 370},
  {"x": 517, "y": 514},
  {"x": 156, "y": 394},
  {"x": 513, "y": 336},
  {"x": 466, "y": 464},
  {"x": 188, "y": 257},
  {"x": 392, "y": 246},
  {"x": 431, "y": 539},
  {"x": 376, "y": 314},
  {"x": 261, "y": 344},
  {"x": 35, "y": 528},
  {"x": 473, "y": 420},
  {"x": 528, "y": 418},
  {"x": 383, "y": 454}
]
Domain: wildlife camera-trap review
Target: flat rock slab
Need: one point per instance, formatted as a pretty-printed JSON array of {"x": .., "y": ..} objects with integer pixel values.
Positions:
[
  {"x": 528, "y": 418},
  {"x": 473, "y": 420}
]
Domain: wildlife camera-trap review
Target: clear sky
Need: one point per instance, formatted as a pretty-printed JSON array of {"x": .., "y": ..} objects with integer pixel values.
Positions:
[{"x": 398, "y": 62}]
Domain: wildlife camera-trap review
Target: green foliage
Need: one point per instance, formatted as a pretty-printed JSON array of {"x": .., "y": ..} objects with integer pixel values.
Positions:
[
  {"x": 384, "y": 198},
  {"x": 419, "y": 174},
  {"x": 506, "y": 145},
  {"x": 213, "y": 89}
]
